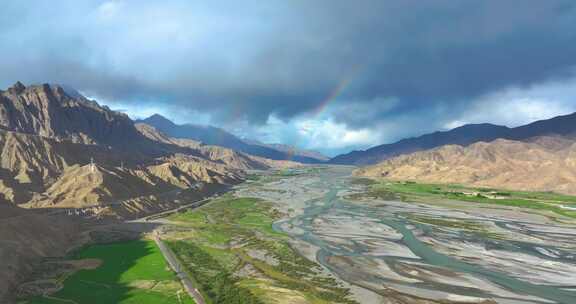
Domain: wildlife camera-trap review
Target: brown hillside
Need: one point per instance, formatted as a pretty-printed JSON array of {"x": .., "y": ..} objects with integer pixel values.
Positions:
[
  {"x": 541, "y": 164},
  {"x": 25, "y": 238}
]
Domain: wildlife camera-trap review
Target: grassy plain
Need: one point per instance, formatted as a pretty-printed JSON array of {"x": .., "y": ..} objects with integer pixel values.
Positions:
[
  {"x": 131, "y": 272},
  {"x": 411, "y": 191},
  {"x": 236, "y": 256}
]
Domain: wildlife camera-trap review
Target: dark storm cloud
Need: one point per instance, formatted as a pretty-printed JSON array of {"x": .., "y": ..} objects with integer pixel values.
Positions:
[
  {"x": 444, "y": 54},
  {"x": 251, "y": 59}
]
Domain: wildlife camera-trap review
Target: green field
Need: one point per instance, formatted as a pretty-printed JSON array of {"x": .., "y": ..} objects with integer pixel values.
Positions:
[
  {"x": 235, "y": 256},
  {"x": 411, "y": 191},
  {"x": 131, "y": 272}
]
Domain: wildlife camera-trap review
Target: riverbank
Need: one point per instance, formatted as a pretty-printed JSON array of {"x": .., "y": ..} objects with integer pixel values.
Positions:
[
  {"x": 234, "y": 255},
  {"x": 428, "y": 252}
]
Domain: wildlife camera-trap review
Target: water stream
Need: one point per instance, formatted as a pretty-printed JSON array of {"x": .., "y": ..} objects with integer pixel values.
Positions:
[{"x": 332, "y": 204}]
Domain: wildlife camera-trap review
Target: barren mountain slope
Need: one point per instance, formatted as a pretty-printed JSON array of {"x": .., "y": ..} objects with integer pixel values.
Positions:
[
  {"x": 28, "y": 163},
  {"x": 564, "y": 125},
  {"x": 80, "y": 186},
  {"x": 49, "y": 137},
  {"x": 543, "y": 164},
  {"x": 64, "y": 115},
  {"x": 229, "y": 157},
  {"x": 44, "y": 172},
  {"x": 61, "y": 150},
  {"x": 24, "y": 239},
  {"x": 186, "y": 171},
  {"x": 463, "y": 135},
  {"x": 51, "y": 111},
  {"x": 157, "y": 136},
  {"x": 219, "y": 137}
]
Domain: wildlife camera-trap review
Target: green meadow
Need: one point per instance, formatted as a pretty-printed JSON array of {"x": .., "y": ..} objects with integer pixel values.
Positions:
[
  {"x": 236, "y": 257},
  {"x": 411, "y": 191},
  {"x": 131, "y": 273}
]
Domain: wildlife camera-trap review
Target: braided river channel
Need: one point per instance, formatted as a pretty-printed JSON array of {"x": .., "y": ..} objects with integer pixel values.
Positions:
[{"x": 404, "y": 252}]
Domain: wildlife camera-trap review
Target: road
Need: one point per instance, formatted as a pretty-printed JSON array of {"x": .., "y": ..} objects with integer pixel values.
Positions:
[
  {"x": 167, "y": 252},
  {"x": 179, "y": 269},
  {"x": 155, "y": 216},
  {"x": 170, "y": 256}
]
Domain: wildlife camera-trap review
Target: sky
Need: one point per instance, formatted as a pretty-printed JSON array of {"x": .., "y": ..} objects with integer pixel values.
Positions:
[{"x": 328, "y": 75}]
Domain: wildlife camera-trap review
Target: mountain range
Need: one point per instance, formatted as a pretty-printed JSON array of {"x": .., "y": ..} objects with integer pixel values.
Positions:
[
  {"x": 60, "y": 149},
  {"x": 215, "y": 136},
  {"x": 62, "y": 154},
  {"x": 464, "y": 135},
  {"x": 544, "y": 163},
  {"x": 540, "y": 156}
]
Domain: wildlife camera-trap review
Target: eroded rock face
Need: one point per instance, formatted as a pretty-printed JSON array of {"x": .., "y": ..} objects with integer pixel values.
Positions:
[
  {"x": 50, "y": 111},
  {"x": 541, "y": 164},
  {"x": 59, "y": 149}
]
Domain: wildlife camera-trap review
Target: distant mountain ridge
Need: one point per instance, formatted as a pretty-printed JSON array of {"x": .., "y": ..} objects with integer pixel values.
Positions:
[
  {"x": 215, "y": 136},
  {"x": 465, "y": 135},
  {"x": 206, "y": 134},
  {"x": 546, "y": 163},
  {"x": 291, "y": 150}
]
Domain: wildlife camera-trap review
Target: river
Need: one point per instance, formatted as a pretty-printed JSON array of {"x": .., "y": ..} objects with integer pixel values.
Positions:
[{"x": 505, "y": 256}]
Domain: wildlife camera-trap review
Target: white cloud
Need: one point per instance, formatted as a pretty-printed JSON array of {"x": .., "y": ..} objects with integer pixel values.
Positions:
[
  {"x": 109, "y": 9},
  {"x": 147, "y": 109},
  {"x": 455, "y": 124},
  {"x": 327, "y": 134},
  {"x": 321, "y": 134},
  {"x": 518, "y": 106}
]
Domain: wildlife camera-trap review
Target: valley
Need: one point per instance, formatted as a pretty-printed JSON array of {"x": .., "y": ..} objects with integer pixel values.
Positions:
[
  {"x": 427, "y": 250},
  {"x": 288, "y": 152},
  {"x": 455, "y": 224},
  {"x": 319, "y": 235}
]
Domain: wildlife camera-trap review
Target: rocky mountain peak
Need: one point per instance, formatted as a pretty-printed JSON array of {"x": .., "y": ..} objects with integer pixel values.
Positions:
[
  {"x": 17, "y": 88},
  {"x": 49, "y": 110},
  {"x": 51, "y": 92},
  {"x": 43, "y": 93},
  {"x": 159, "y": 121}
]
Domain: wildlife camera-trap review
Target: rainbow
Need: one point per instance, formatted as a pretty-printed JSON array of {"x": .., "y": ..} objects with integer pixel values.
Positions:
[{"x": 337, "y": 91}]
